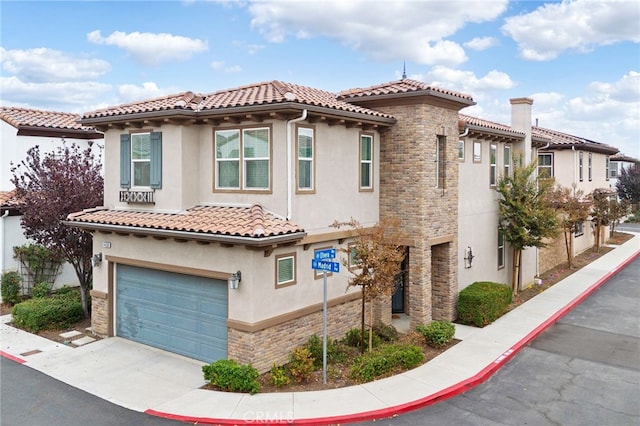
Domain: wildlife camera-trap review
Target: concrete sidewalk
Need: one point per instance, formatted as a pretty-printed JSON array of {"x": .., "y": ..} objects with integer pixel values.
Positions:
[{"x": 167, "y": 385}]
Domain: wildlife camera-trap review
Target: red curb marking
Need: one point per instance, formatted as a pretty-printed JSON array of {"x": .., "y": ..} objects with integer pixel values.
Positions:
[
  {"x": 4, "y": 354},
  {"x": 446, "y": 393}
]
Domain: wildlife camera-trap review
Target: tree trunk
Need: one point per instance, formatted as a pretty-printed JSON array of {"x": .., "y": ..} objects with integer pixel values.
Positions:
[
  {"x": 515, "y": 284},
  {"x": 362, "y": 322},
  {"x": 370, "y": 327},
  {"x": 567, "y": 245}
]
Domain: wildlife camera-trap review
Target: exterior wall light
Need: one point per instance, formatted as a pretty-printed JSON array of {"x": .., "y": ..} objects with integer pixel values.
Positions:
[
  {"x": 96, "y": 259},
  {"x": 468, "y": 257},
  {"x": 234, "y": 280}
]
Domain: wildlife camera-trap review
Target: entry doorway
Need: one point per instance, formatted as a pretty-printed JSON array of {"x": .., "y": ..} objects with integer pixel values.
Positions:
[{"x": 398, "y": 299}]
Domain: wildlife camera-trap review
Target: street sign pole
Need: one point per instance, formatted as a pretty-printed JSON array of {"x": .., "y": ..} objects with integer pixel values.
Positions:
[{"x": 324, "y": 328}]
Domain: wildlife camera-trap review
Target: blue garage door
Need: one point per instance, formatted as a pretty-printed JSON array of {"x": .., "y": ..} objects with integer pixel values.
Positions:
[{"x": 179, "y": 313}]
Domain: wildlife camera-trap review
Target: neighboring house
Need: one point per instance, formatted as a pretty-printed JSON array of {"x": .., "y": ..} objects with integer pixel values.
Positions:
[
  {"x": 617, "y": 163},
  {"x": 577, "y": 163},
  {"x": 487, "y": 152},
  {"x": 249, "y": 180},
  {"x": 20, "y": 130}
]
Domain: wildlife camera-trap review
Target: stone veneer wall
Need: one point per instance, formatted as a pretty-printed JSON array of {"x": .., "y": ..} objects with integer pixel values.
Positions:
[
  {"x": 272, "y": 345},
  {"x": 444, "y": 296},
  {"x": 552, "y": 255},
  {"x": 408, "y": 191},
  {"x": 99, "y": 314}
]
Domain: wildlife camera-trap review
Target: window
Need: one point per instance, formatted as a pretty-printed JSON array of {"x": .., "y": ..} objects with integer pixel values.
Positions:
[
  {"x": 493, "y": 165},
  {"x": 285, "y": 270},
  {"x": 366, "y": 162},
  {"x": 354, "y": 261},
  {"x": 580, "y": 163},
  {"x": 461, "y": 150},
  {"x": 141, "y": 160},
  {"x": 590, "y": 164},
  {"x": 477, "y": 152},
  {"x": 500, "y": 249},
  {"x": 306, "y": 151},
  {"x": 613, "y": 170},
  {"x": 243, "y": 153},
  {"x": 608, "y": 170},
  {"x": 545, "y": 166},
  {"x": 579, "y": 229},
  {"x": 441, "y": 161},
  {"x": 507, "y": 160}
]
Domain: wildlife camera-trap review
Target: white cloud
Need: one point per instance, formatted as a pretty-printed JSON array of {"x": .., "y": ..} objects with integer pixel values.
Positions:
[
  {"x": 468, "y": 81},
  {"x": 73, "y": 96},
  {"x": 222, "y": 66},
  {"x": 148, "y": 90},
  {"x": 49, "y": 65},
  {"x": 151, "y": 48},
  {"x": 481, "y": 43},
  {"x": 386, "y": 31},
  {"x": 250, "y": 48},
  {"x": 578, "y": 25}
]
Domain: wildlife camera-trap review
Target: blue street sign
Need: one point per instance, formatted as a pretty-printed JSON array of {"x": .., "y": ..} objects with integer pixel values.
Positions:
[
  {"x": 323, "y": 265},
  {"x": 325, "y": 254}
]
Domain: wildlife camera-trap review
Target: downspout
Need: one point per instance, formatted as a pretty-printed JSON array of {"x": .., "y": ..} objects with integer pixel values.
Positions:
[
  {"x": 538, "y": 250},
  {"x": 289, "y": 159},
  {"x": 574, "y": 183},
  {"x": 5, "y": 214}
]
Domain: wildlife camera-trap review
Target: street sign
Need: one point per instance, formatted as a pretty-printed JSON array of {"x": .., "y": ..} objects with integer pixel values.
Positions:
[
  {"x": 323, "y": 265},
  {"x": 325, "y": 254}
]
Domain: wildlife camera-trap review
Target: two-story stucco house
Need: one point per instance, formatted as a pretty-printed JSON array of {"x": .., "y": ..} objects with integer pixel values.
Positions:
[
  {"x": 582, "y": 165},
  {"x": 216, "y": 203},
  {"x": 20, "y": 130}
]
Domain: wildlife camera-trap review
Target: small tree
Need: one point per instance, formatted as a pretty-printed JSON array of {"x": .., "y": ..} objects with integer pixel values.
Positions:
[
  {"x": 618, "y": 209},
  {"x": 376, "y": 259},
  {"x": 527, "y": 217},
  {"x": 600, "y": 212},
  {"x": 628, "y": 184},
  {"x": 50, "y": 187},
  {"x": 572, "y": 210}
]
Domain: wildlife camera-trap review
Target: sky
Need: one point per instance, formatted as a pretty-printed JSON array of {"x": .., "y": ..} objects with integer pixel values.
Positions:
[{"x": 579, "y": 60}]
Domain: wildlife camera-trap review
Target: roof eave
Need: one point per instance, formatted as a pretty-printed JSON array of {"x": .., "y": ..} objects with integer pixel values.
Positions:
[
  {"x": 192, "y": 236},
  {"x": 416, "y": 93}
]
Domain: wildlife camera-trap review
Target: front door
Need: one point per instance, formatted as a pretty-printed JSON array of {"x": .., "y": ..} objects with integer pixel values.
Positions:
[{"x": 398, "y": 297}]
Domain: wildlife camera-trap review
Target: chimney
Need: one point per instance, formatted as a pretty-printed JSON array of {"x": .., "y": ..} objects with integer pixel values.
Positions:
[{"x": 521, "y": 122}]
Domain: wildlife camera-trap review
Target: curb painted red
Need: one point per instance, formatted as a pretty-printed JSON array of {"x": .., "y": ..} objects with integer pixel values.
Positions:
[
  {"x": 444, "y": 394},
  {"x": 12, "y": 358}
]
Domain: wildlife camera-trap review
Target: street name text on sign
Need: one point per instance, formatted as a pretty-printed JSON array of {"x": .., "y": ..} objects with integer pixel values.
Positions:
[
  {"x": 323, "y": 265},
  {"x": 327, "y": 254}
]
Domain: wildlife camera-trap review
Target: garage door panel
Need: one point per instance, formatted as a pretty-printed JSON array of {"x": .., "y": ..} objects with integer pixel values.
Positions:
[{"x": 180, "y": 313}]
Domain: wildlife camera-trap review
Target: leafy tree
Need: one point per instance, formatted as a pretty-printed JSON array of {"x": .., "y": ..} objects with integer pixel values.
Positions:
[
  {"x": 572, "y": 209},
  {"x": 50, "y": 186},
  {"x": 618, "y": 209},
  {"x": 378, "y": 254},
  {"x": 600, "y": 212},
  {"x": 628, "y": 185},
  {"x": 527, "y": 216}
]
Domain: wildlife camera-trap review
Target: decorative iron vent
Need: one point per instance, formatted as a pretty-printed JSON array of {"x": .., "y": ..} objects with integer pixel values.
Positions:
[{"x": 137, "y": 197}]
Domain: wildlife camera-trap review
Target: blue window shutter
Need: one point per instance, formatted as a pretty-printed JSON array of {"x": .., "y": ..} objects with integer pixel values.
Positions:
[
  {"x": 156, "y": 160},
  {"x": 125, "y": 161}
]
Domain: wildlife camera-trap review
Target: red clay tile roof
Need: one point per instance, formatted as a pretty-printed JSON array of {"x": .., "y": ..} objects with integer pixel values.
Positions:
[
  {"x": 478, "y": 122},
  {"x": 24, "y": 117},
  {"x": 265, "y": 93},
  {"x": 8, "y": 199},
  {"x": 399, "y": 87},
  {"x": 246, "y": 222},
  {"x": 561, "y": 140}
]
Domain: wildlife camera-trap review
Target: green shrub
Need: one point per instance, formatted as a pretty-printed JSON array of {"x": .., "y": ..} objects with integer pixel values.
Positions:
[
  {"x": 314, "y": 345},
  {"x": 47, "y": 313},
  {"x": 228, "y": 375},
  {"x": 387, "y": 358},
  {"x": 41, "y": 290},
  {"x": 437, "y": 333},
  {"x": 482, "y": 303},
  {"x": 301, "y": 364},
  {"x": 387, "y": 333},
  {"x": 278, "y": 376},
  {"x": 352, "y": 338},
  {"x": 11, "y": 282}
]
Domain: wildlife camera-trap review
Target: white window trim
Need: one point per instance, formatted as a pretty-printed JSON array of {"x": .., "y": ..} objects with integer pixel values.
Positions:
[
  {"x": 311, "y": 160},
  {"x": 361, "y": 162},
  {"x": 478, "y": 158},
  {"x": 134, "y": 161},
  {"x": 293, "y": 280},
  {"x": 493, "y": 165}
]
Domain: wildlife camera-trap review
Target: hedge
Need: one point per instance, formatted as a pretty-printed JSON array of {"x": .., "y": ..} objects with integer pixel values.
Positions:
[{"x": 483, "y": 302}]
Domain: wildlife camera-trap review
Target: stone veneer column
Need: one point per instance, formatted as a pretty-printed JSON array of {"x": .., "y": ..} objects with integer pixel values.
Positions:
[
  {"x": 99, "y": 313},
  {"x": 408, "y": 191}
]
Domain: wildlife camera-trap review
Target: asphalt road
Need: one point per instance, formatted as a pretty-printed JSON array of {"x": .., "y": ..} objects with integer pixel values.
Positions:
[
  {"x": 583, "y": 371},
  {"x": 31, "y": 398}
]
